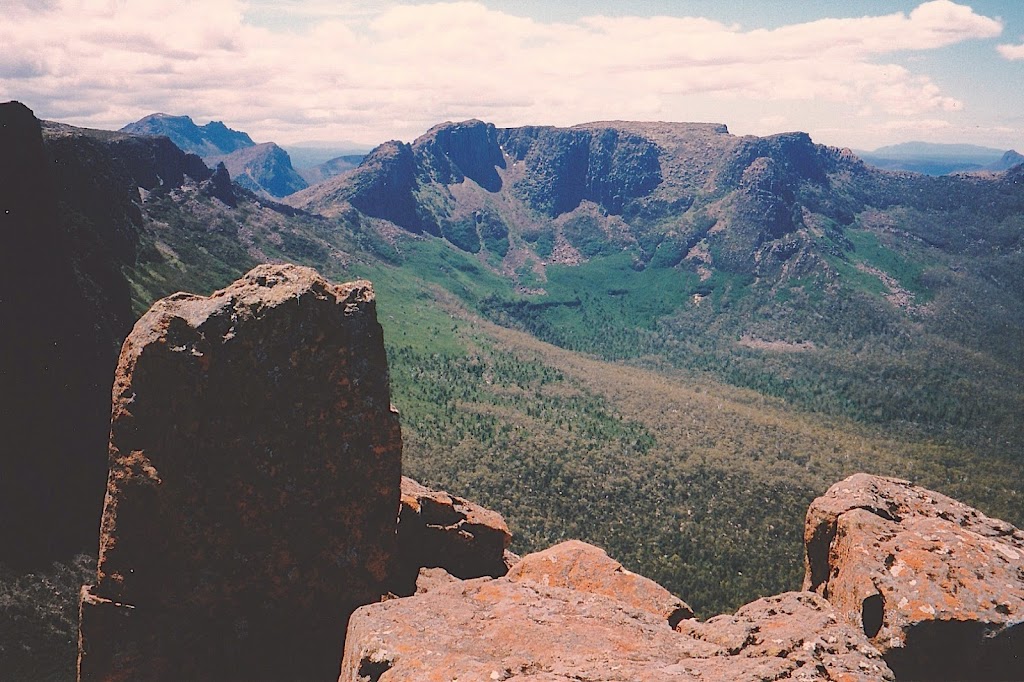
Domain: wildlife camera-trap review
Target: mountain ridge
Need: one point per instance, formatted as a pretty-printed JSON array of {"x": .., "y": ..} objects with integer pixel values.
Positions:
[{"x": 262, "y": 168}]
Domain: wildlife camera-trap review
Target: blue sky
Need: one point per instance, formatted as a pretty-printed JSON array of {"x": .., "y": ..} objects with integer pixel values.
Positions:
[{"x": 861, "y": 74}]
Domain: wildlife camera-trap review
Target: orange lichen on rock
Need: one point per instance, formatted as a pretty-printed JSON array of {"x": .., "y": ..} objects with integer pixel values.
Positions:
[{"x": 937, "y": 585}]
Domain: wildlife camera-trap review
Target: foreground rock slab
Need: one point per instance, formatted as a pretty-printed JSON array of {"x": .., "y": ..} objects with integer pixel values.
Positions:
[
  {"x": 937, "y": 585},
  {"x": 253, "y": 492},
  {"x": 522, "y": 629}
]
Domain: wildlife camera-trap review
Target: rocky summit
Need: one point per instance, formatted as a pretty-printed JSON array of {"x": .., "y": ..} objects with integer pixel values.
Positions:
[{"x": 254, "y": 484}]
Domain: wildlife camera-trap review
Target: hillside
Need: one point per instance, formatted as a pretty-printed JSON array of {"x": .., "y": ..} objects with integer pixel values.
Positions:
[{"x": 661, "y": 338}]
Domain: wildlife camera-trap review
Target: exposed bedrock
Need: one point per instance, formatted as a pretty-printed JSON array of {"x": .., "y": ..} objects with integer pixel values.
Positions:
[
  {"x": 936, "y": 585},
  {"x": 254, "y": 480}
]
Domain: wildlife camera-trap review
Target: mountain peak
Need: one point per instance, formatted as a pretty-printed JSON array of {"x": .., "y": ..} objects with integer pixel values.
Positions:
[{"x": 212, "y": 139}]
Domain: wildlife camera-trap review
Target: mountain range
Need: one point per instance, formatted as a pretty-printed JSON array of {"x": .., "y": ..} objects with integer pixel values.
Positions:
[
  {"x": 659, "y": 337},
  {"x": 263, "y": 168},
  {"x": 941, "y": 159}
]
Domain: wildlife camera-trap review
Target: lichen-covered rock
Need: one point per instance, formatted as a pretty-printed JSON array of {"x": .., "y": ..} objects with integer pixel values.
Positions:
[
  {"x": 586, "y": 568},
  {"x": 438, "y": 530},
  {"x": 507, "y": 629},
  {"x": 796, "y": 635},
  {"x": 254, "y": 484},
  {"x": 937, "y": 585}
]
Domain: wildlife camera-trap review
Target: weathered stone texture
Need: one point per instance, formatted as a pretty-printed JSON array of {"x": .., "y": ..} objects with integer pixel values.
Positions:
[
  {"x": 587, "y": 568},
  {"x": 523, "y": 629},
  {"x": 937, "y": 585},
  {"x": 254, "y": 482},
  {"x": 439, "y": 530}
]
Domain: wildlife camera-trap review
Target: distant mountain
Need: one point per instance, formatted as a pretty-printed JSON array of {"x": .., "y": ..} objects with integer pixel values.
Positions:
[
  {"x": 331, "y": 168},
  {"x": 261, "y": 168},
  {"x": 1007, "y": 161},
  {"x": 933, "y": 158},
  {"x": 212, "y": 139},
  {"x": 308, "y": 154}
]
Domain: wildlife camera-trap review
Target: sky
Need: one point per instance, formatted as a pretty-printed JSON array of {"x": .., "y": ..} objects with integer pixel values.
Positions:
[{"x": 859, "y": 74}]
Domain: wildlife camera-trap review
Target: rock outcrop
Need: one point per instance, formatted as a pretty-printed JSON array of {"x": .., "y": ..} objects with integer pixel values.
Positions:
[
  {"x": 438, "y": 530},
  {"x": 586, "y": 568},
  {"x": 937, "y": 585},
  {"x": 254, "y": 484},
  {"x": 517, "y": 628}
]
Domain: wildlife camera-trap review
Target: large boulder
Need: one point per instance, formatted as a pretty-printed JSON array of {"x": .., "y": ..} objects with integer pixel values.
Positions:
[
  {"x": 937, "y": 585},
  {"x": 253, "y": 493},
  {"x": 580, "y": 566},
  {"x": 440, "y": 530},
  {"x": 516, "y": 628}
]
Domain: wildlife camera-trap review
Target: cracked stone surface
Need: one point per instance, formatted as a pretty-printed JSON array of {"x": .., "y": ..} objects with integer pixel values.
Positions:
[
  {"x": 937, "y": 585},
  {"x": 525, "y": 630}
]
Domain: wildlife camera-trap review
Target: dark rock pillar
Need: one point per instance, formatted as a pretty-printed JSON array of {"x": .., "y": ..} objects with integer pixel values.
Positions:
[{"x": 253, "y": 495}]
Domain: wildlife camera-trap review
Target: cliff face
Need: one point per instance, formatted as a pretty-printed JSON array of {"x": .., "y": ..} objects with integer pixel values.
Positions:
[
  {"x": 564, "y": 167},
  {"x": 64, "y": 307},
  {"x": 69, "y": 224}
]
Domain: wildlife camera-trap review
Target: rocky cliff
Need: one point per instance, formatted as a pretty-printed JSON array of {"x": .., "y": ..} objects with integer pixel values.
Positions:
[{"x": 69, "y": 224}]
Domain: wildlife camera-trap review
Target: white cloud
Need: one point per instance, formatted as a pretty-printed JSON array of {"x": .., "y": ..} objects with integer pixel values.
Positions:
[
  {"x": 1011, "y": 52},
  {"x": 369, "y": 71}
]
